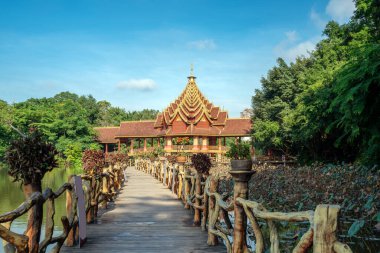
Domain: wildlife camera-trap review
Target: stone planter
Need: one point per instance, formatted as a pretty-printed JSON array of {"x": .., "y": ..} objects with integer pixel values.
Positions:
[
  {"x": 181, "y": 159},
  {"x": 241, "y": 165}
]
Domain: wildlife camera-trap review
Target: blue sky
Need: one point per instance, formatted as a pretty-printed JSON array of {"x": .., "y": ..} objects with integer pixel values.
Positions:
[{"x": 137, "y": 53}]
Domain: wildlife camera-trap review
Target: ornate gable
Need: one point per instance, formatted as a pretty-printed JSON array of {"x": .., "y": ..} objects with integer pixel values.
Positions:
[{"x": 192, "y": 109}]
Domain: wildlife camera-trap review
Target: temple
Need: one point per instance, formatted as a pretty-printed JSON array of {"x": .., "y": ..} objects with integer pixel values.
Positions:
[{"x": 191, "y": 123}]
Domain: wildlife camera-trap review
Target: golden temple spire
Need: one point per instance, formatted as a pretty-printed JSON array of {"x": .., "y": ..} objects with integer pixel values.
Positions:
[
  {"x": 191, "y": 77},
  {"x": 191, "y": 70}
]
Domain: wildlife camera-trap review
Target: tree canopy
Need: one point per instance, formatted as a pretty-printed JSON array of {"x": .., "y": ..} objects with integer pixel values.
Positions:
[
  {"x": 66, "y": 120},
  {"x": 326, "y": 106}
]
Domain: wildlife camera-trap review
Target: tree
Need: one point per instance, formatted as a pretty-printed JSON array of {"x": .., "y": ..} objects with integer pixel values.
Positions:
[{"x": 324, "y": 106}]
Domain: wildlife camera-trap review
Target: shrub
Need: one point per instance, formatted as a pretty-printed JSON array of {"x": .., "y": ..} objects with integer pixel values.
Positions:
[
  {"x": 30, "y": 157},
  {"x": 240, "y": 151},
  {"x": 93, "y": 161},
  {"x": 201, "y": 162}
]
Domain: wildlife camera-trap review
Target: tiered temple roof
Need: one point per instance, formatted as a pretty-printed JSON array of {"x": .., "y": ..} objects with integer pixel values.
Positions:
[{"x": 191, "y": 114}]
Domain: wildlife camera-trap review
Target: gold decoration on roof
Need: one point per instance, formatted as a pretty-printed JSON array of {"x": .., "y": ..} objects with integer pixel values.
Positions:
[{"x": 191, "y": 107}]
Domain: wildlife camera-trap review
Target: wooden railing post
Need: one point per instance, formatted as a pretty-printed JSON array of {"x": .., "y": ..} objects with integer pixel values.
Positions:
[
  {"x": 198, "y": 191},
  {"x": 35, "y": 215},
  {"x": 325, "y": 227},
  {"x": 70, "y": 202},
  {"x": 212, "y": 238},
  {"x": 165, "y": 165},
  {"x": 180, "y": 182},
  {"x": 104, "y": 190},
  {"x": 174, "y": 174},
  {"x": 187, "y": 187},
  {"x": 241, "y": 179}
]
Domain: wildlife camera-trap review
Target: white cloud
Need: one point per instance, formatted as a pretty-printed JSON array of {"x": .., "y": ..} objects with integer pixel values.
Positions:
[
  {"x": 137, "y": 84},
  {"x": 202, "y": 44},
  {"x": 301, "y": 49},
  {"x": 317, "y": 20},
  {"x": 340, "y": 10},
  {"x": 289, "y": 50},
  {"x": 291, "y": 35}
]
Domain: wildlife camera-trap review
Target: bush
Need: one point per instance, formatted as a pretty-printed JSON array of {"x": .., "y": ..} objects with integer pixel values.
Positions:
[
  {"x": 30, "y": 157},
  {"x": 93, "y": 161},
  {"x": 201, "y": 162},
  {"x": 240, "y": 151}
]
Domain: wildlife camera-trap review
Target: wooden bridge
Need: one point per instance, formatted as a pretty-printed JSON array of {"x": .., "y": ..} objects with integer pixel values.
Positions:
[
  {"x": 155, "y": 212},
  {"x": 147, "y": 218}
]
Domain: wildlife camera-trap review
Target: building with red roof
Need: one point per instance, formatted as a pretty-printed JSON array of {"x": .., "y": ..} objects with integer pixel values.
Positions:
[{"x": 191, "y": 115}]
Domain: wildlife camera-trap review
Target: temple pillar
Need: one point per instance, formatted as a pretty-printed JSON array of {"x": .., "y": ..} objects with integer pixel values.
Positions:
[
  {"x": 168, "y": 143},
  {"x": 131, "y": 149},
  {"x": 145, "y": 141},
  {"x": 204, "y": 143},
  {"x": 196, "y": 143},
  {"x": 220, "y": 143},
  {"x": 106, "y": 146},
  {"x": 118, "y": 146}
]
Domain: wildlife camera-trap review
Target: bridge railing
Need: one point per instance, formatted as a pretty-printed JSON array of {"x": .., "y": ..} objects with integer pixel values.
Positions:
[
  {"x": 211, "y": 212},
  {"x": 96, "y": 189}
]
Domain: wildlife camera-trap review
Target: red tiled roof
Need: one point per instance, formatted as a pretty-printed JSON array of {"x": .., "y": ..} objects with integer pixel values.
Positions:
[
  {"x": 106, "y": 134},
  {"x": 221, "y": 119},
  {"x": 214, "y": 112},
  {"x": 137, "y": 129},
  {"x": 158, "y": 122},
  {"x": 237, "y": 127}
]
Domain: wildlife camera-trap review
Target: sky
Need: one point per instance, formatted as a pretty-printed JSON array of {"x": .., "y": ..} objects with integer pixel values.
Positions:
[{"x": 137, "y": 54}]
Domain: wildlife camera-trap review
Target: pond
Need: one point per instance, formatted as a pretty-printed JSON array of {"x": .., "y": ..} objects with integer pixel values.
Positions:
[{"x": 11, "y": 196}]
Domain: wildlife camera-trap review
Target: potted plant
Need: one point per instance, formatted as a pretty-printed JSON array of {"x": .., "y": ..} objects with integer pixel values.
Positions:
[
  {"x": 240, "y": 156},
  {"x": 201, "y": 163},
  {"x": 29, "y": 158},
  {"x": 181, "y": 154},
  {"x": 171, "y": 159}
]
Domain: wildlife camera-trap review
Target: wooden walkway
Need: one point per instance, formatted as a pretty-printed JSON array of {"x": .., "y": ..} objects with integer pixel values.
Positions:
[{"x": 147, "y": 218}]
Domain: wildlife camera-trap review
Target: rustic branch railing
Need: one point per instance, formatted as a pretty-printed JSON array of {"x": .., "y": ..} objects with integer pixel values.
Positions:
[
  {"x": 96, "y": 190},
  {"x": 199, "y": 193}
]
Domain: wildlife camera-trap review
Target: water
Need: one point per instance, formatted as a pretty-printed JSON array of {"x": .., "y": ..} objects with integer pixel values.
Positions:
[{"x": 11, "y": 196}]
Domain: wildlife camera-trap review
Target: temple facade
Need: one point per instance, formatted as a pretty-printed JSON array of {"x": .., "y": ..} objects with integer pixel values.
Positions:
[{"x": 191, "y": 124}]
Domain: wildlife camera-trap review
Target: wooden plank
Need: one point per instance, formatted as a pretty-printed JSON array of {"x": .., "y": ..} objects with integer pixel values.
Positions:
[{"x": 147, "y": 218}]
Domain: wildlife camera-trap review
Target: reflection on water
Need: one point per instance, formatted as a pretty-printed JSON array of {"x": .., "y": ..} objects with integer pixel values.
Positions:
[{"x": 11, "y": 196}]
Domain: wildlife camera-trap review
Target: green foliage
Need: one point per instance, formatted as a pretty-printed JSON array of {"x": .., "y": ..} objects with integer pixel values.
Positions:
[
  {"x": 201, "y": 163},
  {"x": 30, "y": 157},
  {"x": 73, "y": 154},
  {"x": 325, "y": 106},
  {"x": 5, "y": 131},
  {"x": 355, "y": 227},
  {"x": 110, "y": 116},
  {"x": 239, "y": 151},
  {"x": 356, "y": 105},
  {"x": 67, "y": 120},
  {"x": 158, "y": 151}
]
